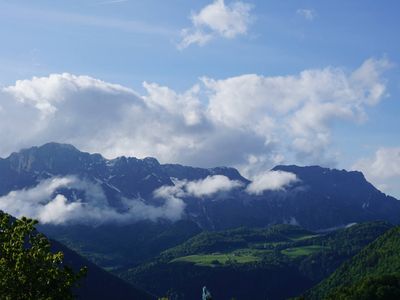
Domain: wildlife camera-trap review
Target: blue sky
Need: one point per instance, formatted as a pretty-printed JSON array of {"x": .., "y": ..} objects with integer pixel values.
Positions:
[
  {"x": 131, "y": 42},
  {"x": 41, "y": 37}
]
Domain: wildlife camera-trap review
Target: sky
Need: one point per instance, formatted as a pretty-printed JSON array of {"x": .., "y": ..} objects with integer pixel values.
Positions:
[{"x": 248, "y": 84}]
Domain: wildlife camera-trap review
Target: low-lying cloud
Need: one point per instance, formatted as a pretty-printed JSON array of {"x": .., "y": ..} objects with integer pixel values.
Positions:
[
  {"x": 45, "y": 203},
  {"x": 48, "y": 203},
  {"x": 206, "y": 187},
  {"x": 211, "y": 185},
  {"x": 271, "y": 181}
]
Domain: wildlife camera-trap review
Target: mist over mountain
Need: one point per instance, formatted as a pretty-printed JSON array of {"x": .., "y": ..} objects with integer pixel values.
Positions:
[{"x": 58, "y": 184}]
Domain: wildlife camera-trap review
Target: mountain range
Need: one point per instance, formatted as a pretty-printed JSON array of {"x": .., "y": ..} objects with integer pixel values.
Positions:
[{"x": 319, "y": 198}]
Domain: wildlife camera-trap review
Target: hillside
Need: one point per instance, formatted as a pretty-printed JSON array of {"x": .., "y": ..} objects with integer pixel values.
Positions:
[
  {"x": 113, "y": 246},
  {"x": 380, "y": 258},
  {"x": 98, "y": 284},
  {"x": 277, "y": 262}
]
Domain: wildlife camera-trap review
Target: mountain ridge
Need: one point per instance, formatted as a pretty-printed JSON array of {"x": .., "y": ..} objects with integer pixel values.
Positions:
[
  {"x": 49, "y": 149},
  {"x": 321, "y": 197},
  {"x": 23, "y": 161}
]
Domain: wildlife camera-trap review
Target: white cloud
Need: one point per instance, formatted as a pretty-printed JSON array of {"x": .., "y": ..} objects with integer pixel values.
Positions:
[
  {"x": 172, "y": 209},
  {"x": 56, "y": 211},
  {"x": 44, "y": 203},
  {"x": 217, "y": 19},
  {"x": 308, "y": 14},
  {"x": 45, "y": 93},
  {"x": 249, "y": 121},
  {"x": 193, "y": 36},
  {"x": 270, "y": 181},
  {"x": 211, "y": 185},
  {"x": 206, "y": 187},
  {"x": 187, "y": 105},
  {"x": 383, "y": 169},
  {"x": 301, "y": 107}
]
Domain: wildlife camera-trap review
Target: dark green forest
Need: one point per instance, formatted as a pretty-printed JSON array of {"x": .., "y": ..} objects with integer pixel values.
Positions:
[{"x": 377, "y": 265}]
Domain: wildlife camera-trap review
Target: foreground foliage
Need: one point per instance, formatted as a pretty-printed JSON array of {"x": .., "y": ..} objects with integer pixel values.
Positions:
[{"x": 28, "y": 268}]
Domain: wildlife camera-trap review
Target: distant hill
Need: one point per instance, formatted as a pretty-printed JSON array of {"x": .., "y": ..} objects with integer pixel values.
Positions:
[
  {"x": 277, "y": 262},
  {"x": 373, "y": 265}
]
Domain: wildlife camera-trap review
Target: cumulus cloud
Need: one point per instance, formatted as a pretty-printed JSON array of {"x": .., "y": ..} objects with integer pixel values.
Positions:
[
  {"x": 249, "y": 121},
  {"x": 47, "y": 204},
  {"x": 383, "y": 169},
  {"x": 217, "y": 20},
  {"x": 306, "y": 13},
  {"x": 270, "y": 181},
  {"x": 302, "y": 107}
]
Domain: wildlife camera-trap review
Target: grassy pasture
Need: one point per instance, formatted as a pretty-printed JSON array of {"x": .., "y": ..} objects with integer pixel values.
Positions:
[
  {"x": 302, "y": 251},
  {"x": 215, "y": 259}
]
